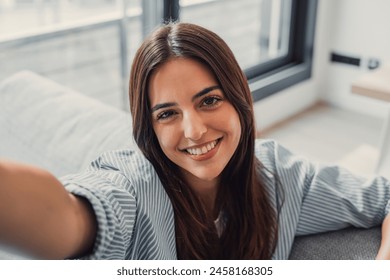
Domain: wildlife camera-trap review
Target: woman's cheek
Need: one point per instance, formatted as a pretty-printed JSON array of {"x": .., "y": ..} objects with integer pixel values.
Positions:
[{"x": 167, "y": 137}]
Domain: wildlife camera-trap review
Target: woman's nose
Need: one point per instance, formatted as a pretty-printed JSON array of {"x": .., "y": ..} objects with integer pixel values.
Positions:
[{"x": 193, "y": 126}]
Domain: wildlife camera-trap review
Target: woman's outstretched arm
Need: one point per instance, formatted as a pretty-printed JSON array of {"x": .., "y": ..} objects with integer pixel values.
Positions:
[
  {"x": 39, "y": 217},
  {"x": 384, "y": 249}
]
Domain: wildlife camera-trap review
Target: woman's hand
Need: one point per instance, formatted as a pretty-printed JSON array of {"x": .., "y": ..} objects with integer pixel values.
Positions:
[
  {"x": 384, "y": 250},
  {"x": 39, "y": 217}
]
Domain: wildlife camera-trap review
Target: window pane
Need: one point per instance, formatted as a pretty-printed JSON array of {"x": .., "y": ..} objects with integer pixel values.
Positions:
[
  {"x": 21, "y": 16},
  {"x": 77, "y": 43},
  {"x": 256, "y": 30}
]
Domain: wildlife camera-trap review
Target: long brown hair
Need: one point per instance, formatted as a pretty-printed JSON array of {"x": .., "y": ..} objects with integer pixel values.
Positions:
[{"x": 250, "y": 230}]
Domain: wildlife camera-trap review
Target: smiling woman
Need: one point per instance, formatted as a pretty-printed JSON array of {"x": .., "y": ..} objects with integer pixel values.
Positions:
[{"x": 200, "y": 186}]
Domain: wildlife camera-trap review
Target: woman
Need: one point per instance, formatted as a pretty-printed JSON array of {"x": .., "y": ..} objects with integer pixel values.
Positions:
[{"x": 201, "y": 188}]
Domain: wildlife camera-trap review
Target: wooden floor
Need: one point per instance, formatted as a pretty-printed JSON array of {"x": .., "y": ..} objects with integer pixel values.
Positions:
[{"x": 331, "y": 135}]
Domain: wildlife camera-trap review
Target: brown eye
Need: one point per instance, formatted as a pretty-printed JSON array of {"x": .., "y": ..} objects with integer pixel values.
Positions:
[
  {"x": 165, "y": 115},
  {"x": 211, "y": 101}
]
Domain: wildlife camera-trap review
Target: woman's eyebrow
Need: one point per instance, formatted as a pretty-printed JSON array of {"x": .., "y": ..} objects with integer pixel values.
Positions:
[
  {"x": 204, "y": 91},
  {"x": 163, "y": 105}
]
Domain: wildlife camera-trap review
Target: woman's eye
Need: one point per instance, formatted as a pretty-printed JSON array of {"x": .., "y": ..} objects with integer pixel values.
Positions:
[
  {"x": 211, "y": 101},
  {"x": 165, "y": 115}
]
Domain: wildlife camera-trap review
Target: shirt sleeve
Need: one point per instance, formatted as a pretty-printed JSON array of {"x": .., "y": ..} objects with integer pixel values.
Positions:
[
  {"x": 329, "y": 197},
  {"x": 335, "y": 198},
  {"x": 113, "y": 200}
]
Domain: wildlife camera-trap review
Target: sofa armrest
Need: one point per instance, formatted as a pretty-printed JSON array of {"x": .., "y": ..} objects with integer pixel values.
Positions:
[{"x": 346, "y": 244}]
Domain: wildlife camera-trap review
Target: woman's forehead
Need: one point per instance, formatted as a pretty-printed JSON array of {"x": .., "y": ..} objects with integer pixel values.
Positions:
[{"x": 179, "y": 76}]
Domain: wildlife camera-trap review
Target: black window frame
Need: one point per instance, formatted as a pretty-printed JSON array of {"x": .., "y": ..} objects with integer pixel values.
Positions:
[{"x": 272, "y": 76}]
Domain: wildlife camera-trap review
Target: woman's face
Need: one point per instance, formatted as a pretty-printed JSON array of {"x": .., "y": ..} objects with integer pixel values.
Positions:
[{"x": 197, "y": 128}]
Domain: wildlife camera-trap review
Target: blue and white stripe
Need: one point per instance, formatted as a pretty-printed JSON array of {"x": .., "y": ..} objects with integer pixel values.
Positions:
[{"x": 135, "y": 216}]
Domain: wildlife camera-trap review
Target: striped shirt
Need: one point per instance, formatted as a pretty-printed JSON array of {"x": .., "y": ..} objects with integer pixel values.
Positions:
[{"x": 136, "y": 221}]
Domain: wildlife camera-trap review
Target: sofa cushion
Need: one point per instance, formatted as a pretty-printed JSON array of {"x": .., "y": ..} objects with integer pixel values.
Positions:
[{"x": 54, "y": 127}]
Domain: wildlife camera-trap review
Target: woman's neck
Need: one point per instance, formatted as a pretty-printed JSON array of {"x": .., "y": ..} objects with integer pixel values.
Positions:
[{"x": 206, "y": 190}]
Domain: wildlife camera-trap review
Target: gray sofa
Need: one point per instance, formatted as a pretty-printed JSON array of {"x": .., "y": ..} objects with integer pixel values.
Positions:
[{"x": 46, "y": 124}]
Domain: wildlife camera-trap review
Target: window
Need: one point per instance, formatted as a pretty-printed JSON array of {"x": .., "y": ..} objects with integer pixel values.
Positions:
[
  {"x": 295, "y": 65},
  {"x": 272, "y": 39},
  {"x": 88, "y": 45},
  {"x": 83, "y": 44},
  {"x": 245, "y": 25}
]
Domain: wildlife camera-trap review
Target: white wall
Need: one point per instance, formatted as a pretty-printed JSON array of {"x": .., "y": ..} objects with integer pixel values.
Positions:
[
  {"x": 355, "y": 27},
  {"x": 361, "y": 28}
]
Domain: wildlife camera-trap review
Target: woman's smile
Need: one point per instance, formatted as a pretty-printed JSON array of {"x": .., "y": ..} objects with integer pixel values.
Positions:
[{"x": 204, "y": 151}]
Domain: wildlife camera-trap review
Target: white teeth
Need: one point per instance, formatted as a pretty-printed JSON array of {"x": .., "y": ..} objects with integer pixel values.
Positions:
[{"x": 202, "y": 150}]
